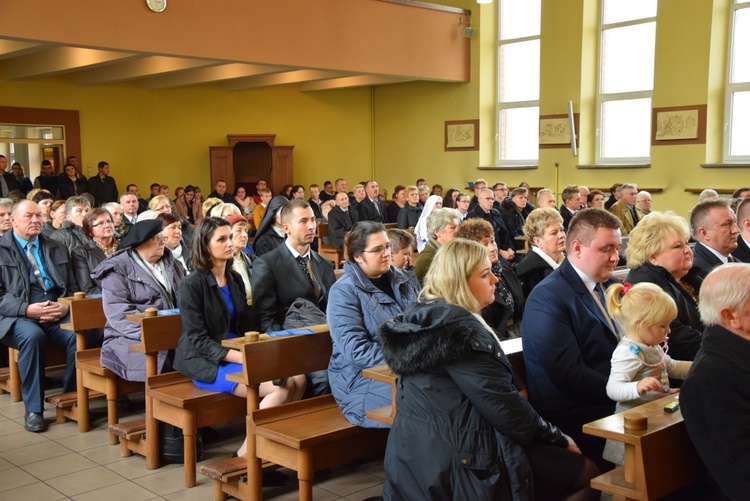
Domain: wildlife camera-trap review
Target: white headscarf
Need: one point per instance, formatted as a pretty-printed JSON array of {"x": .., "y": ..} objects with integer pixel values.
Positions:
[{"x": 420, "y": 230}]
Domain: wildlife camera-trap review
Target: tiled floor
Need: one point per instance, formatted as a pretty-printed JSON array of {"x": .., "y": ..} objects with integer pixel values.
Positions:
[{"x": 64, "y": 464}]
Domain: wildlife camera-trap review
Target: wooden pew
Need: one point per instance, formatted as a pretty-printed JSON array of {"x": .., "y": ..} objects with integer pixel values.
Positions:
[
  {"x": 328, "y": 250},
  {"x": 305, "y": 436},
  {"x": 659, "y": 457}
]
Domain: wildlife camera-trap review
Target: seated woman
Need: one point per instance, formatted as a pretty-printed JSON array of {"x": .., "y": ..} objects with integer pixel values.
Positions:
[
  {"x": 213, "y": 308},
  {"x": 188, "y": 207},
  {"x": 462, "y": 430},
  {"x": 658, "y": 252},
  {"x": 244, "y": 202},
  {"x": 71, "y": 233},
  {"x": 270, "y": 234},
  {"x": 143, "y": 274},
  {"x": 441, "y": 227},
  {"x": 370, "y": 292},
  {"x": 101, "y": 243},
  {"x": 242, "y": 263},
  {"x": 57, "y": 216},
  {"x": 172, "y": 231},
  {"x": 512, "y": 214},
  {"x": 546, "y": 235},
  {"x": 44, "y": 200},
  {"x": 504, "y": 314},
  {"x": 408, "y": 216}
]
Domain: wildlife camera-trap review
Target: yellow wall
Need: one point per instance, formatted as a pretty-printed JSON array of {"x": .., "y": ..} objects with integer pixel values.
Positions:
[{"x": 163, "y": 135}]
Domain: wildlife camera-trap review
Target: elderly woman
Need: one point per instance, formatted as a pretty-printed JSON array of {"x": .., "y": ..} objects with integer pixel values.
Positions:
[
  {"x": 161, "y": 204},
  {"x": 143, "y": 274},
  {"x": 420, "y": 230},
  {"x": 213, "y": 308},
  {"x": 504, "y": 314},
  {"x": 546, "y": 236},
  {"x": 513, "y": 214},
  {"x": 172, "y": 230},
  {"x": 117, "y": 212},
  {"x": 242, "y": 263},
  {"x": 408, "y": 216},
  {"x": 463, "y": 430},
  {"x": 71, "y": 233},
  {"x": 658, "y": 253},
  {"x": 370, "y": 292},
  {"x": 101, "y": 243},
  {"x": 441, "y": 227}
]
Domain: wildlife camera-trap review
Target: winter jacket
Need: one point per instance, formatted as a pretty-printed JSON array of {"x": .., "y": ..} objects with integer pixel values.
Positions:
[
  {"x": 70, "y": 235},
  {"x": 127, "y": 288},
  {"x": 461, "y": 424},
  {"x": 514, "y": 221},
  {"x": 356, "y": 308},
  {"x": 408, "y": 216},
  {"x": 86, "y": 257},
  {"x": 205, "y": 323}
]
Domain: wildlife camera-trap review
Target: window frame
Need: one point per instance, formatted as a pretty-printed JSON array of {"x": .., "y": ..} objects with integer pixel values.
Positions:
[
  {"x": 602, "y": 98},
  {"x": 730, "y": 89}
]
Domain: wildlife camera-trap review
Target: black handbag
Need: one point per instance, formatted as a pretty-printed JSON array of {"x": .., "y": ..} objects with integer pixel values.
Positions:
[{"x": 172, "y": 445}]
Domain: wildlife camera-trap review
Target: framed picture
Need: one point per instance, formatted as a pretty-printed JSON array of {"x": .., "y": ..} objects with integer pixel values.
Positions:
[
  {"x": 461, "y": 135},
  {"x": 554, "y": 131},
  {"x": 678, "y": 125}
]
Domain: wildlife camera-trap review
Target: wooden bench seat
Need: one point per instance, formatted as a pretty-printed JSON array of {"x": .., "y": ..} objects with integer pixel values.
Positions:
[
  {"x": 328, "y": 250},
  {"x": 306, "y": 436}
]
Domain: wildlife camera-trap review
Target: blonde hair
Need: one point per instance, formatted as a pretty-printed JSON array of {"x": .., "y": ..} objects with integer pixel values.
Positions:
[
  {"x": 643, "y": 304},
  {"x": 447, "y": 278},
  {"x": 649, "y": 237},
  {"x": 155, "y": 201},
  {"x": 226, "y": 210},
  {"x": 210, "y": 203},
  {"x": 538, "y": 220}
]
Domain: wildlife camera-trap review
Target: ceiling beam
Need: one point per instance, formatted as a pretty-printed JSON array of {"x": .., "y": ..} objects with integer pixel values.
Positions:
[
  {"x": 209, "y": 75},
  {"x": 57, "y": 61},
  {"x": 282, "y": 79},
  {"x": 354, "y": 81},
  {"x": 140, "y": 68},
  {"x": 12, "y": 48}
]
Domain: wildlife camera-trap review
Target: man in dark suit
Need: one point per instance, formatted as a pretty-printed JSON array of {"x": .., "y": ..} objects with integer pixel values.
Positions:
[
  {"x": 484, "y": 210},
  {"x": 742, "y": 252},
  {"x": 371, "y": 208},
  {"x": 8, "y": 182},
  {"x": 571, "y": 203},
  {"x": 568, "y": 335},
  {"x": 34, "y": 273},
  {"x": 220, "y": 192},
  {"x": 713, "y": 226},
  {"x": 340, "y": 220},
  {"x": 291, "y": 270},
  {"x": 103, "y": 186}
]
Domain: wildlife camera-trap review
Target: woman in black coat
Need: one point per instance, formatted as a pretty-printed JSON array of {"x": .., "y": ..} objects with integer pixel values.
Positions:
[
  {"x": 462, "y": 430},
  {"x": 658, "y": 253},
  {"x": 546, "y": 236},
  {"x": 100, "y": 244},
  {"x": 512, "y": 214},
  {"x": 213, "y": 308},
  {"x": 408, "y": 216}
]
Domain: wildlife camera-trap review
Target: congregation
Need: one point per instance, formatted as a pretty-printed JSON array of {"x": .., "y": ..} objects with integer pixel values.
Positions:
[{"x": 428, "y": 275}]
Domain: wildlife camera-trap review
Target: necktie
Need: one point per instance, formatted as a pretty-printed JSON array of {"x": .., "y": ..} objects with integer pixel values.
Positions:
[
  {"x": 598, "y": 294},
  {"x": 35, "y": 267},
  {"x": 306, "y": 265},
  {"x": 731, "y": 259}
]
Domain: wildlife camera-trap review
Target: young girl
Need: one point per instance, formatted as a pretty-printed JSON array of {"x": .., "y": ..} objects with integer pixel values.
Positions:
[{"x": 640, "y": 366}]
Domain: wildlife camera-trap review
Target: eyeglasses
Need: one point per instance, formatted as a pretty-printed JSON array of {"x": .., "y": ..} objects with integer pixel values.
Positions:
[
  {"x": 159, "y": 239},
  {"x": 382, "y": 250},
  {"x": 108, "y": 222}
]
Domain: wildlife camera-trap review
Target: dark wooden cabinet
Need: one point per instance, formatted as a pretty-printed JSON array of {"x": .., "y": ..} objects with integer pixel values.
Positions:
[{"x": 249, "y": 157}]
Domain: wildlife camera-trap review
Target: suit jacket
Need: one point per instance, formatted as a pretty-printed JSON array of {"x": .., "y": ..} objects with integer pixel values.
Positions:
[
  {"x": 704, "y": 261},
  {"x": 15, "y": 287},
  {"x": 742, "y": 252},
  {"x": 67, "y": 188},
  {"x": 12, "y": 183},
  {"x": 622, "y": 212},
  {"x": 340, "y": 222},
  {"x": 502, "y": 235},
  {"x": 567, "y": 347},
  {"x": 278, "y": 280},
  {"x": 567, "y": 216},
  {"x": 368, "y": 212},
  {"x": 103, "y": 190}
]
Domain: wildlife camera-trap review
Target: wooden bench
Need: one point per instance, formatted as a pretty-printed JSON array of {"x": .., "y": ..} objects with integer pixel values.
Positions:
[
  {"x": 659, "y": 457},
  {"x": 305, "y": 436},
  {"x": 328, "y": 250},
  {"x": 85, "y": 313}
]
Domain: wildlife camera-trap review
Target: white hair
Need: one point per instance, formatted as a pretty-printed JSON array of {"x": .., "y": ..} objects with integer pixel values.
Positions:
[{"x": 728, "y": 286}]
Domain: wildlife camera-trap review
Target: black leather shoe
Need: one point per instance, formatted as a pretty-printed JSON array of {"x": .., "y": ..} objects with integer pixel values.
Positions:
[{"x": 34, "y": 421}]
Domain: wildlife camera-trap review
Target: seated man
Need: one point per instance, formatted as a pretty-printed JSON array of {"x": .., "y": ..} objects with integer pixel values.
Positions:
[
  {"x": 625, "y": 208},
  {"x": 290, "y": 271},
  {"x": 568, "y": 335},
  {"x": 571, "y": 196},
  {"x": 340, "y": 220},
  {"x": 713, "y": 225},
  {"x": 715, "y": 397},
  {"x": 35, "y": 272}
]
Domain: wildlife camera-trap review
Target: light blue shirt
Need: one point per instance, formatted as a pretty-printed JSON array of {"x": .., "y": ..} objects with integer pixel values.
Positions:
[{"x": 48, "y": 283}]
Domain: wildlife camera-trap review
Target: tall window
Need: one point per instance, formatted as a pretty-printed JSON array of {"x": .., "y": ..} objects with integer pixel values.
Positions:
[
  {"x": 626, "y": 80},
  {"x": 519, "y": 24},
  {"x": 737, "y": 110}
]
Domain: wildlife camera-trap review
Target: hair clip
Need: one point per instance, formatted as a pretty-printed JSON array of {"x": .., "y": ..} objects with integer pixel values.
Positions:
[{"x": 625, "y": 289}]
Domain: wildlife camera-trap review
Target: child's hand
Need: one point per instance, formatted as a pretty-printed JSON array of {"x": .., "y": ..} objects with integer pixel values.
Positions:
[
  {"x": 648, "y": 384},
  {"x": 672, "y": 391}
]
